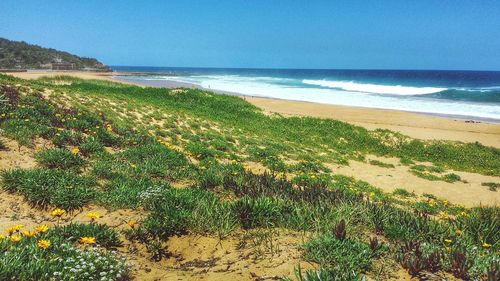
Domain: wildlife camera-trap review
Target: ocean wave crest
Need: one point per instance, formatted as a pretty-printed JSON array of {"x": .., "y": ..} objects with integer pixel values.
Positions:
[{"x": 374, "y": 88}]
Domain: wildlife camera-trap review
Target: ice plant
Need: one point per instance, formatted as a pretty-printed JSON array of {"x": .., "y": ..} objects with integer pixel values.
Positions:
[
  {"x": 15, "y": 238},
  {"x": 44, "y": 244},
  {"x": 28, "y": 233},
  {"x": 444, "y": 215},
  {"x": 58, "y": 212},
  {"x": 75, "y": 150},
  {"x": 132, "y": 223},
  {"x": 93, "y": 216},
  {"x": 87, "y": 240},
  {"x": 42, "y": 228}
]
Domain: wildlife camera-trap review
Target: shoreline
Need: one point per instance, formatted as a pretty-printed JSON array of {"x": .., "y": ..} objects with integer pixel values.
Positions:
[{"x": 416, "y": 125}]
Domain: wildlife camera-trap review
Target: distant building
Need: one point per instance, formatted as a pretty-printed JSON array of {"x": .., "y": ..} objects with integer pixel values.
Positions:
[{"x": 63, "y": 66}]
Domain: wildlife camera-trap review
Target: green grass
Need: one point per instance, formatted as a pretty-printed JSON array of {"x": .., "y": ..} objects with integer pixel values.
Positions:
[
  {"x": 60, "y": 158},
  {"x": 55, "y": 188},
  {"x": 345, "y": 256}
]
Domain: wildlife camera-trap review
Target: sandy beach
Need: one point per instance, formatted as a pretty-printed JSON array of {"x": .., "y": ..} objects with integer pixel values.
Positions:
[{"x": 415, "y": 125}]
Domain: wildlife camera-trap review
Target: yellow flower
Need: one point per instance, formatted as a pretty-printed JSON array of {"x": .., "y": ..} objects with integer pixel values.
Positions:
[
  {"x": 448, "y": 241},
  {"x": 10, "y": 230},
  {"x": 444, "y": 215},
  {"x": 15, "y": 238},
  {"x": 486, "y": 245},
  {"x": 132, "y": 223},
  {"x": 87, "y": 240},
  {"x": 28, "y": 233},
  {"x": 372, "y": 194},
  {"x": 58, "y": 212},
  {"x": 464, "y": 214},
  {"x": 458, "y": 232},
  {"x": 93, "y": 216},
  {"x": 133, "y": 166},
  {"x": 44, "y": 244},
  {"x": 15, "y": 228},
  {"x": 75, "y": 150},
  {"x": 42, "y": 228},
  {"x": 58, "y": 115}
]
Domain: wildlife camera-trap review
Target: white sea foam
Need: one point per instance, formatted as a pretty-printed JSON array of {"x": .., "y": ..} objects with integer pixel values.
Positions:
[
  {"x": 374, "y": 88},
  {"x": 362, "y": 97}
]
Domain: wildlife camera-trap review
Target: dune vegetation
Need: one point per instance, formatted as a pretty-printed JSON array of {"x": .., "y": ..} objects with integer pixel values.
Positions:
[{"x": 192, "y": 162}]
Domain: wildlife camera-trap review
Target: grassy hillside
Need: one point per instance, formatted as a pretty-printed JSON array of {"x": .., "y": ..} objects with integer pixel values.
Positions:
[
  {"x": 21, "y": 55},
  {"x": 192, "y": 162}
]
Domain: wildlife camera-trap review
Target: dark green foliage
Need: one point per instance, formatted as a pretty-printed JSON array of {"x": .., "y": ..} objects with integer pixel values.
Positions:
[
  {"x": 55, "y": 188},
  {"x": 15, "y": 54},
  {"x": 381, "y": 164},
  {"x": 493, "y": 186}
]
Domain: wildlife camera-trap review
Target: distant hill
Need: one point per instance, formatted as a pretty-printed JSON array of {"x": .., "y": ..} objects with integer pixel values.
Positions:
[{"x": 21, "y": 55}]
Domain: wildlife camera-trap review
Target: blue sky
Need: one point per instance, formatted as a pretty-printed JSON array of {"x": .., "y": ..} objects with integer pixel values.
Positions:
[{"x": 376, "y": 34}]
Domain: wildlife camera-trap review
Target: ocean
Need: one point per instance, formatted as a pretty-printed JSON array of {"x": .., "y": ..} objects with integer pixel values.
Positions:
[{"x": 467, "y": 94}]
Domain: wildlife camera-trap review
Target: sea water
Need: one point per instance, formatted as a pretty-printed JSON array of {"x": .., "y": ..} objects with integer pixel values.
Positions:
[{"x": 468, "y": 94}]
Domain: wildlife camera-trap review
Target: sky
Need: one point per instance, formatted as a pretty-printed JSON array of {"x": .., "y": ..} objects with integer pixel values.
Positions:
[{"x": 358, "y": 34}]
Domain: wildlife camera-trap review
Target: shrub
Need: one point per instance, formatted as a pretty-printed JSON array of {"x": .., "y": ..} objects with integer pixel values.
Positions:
[
  {"x": 60, "y": 158},
  {"x": 57, "y": 188}
]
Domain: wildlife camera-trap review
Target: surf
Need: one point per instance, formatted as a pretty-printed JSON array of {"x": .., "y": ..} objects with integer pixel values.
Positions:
[{"x": 352, "y": 86}]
